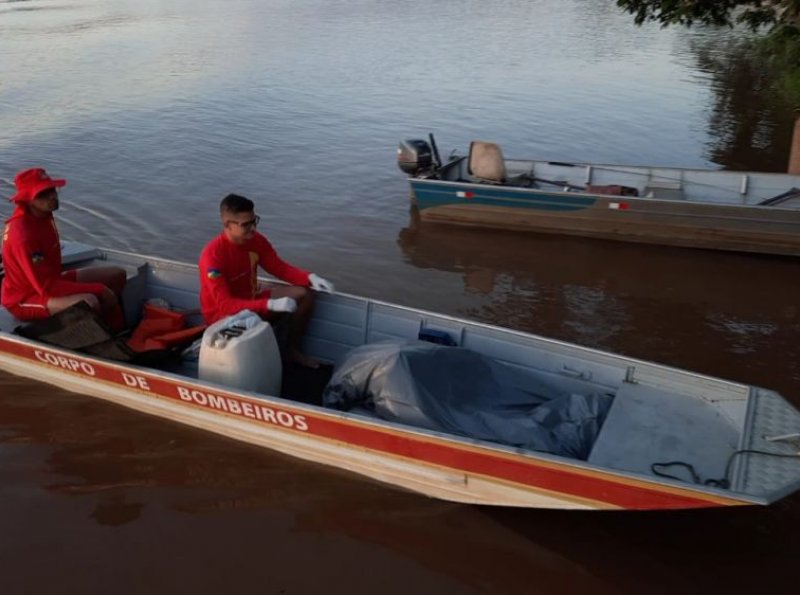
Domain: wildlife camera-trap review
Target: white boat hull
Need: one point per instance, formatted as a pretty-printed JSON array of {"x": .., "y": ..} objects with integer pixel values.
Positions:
[{"x": 442, "y": 465}]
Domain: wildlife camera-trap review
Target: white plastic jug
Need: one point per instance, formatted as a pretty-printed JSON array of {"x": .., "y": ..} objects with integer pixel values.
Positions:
[{"x": 240, "y": 351}]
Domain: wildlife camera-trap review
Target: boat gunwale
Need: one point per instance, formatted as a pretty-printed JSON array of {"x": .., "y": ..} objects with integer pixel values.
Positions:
[
  {"x": 609, "y": 197},
  {"x": 630, "y": 169},
  {"x": 611, "y": 358}
]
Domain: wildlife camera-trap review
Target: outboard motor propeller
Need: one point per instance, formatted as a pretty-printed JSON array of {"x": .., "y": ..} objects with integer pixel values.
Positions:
[{"x": 415, "y": 156}]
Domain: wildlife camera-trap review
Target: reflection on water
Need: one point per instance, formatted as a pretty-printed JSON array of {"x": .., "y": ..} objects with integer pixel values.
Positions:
[
  {"x": 88, "y": 485},
  {"x": 115, "y": 510},
  {"x": 729, "y": 315},
  {"x": 749, "y": 126},
  {"x": 156, "y": 107},
  {"x": 711, "y": 551}
]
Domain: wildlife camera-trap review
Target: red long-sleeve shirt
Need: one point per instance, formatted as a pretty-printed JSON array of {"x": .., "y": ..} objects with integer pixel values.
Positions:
[
  {"x": 32, "y": 261},
  {"x": 229, "y": 276}
]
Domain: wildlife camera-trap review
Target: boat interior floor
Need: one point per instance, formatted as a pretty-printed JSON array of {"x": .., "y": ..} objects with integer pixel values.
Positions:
[{"x": 303, "y": 384}]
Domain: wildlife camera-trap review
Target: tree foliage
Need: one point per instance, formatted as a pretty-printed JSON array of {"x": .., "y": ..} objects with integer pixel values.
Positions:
[{"x": 754, "y": 14}]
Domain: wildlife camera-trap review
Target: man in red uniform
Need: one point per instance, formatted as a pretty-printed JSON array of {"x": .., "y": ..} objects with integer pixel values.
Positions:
[
  {"x": 229, "y": 281},
  {"x": 34, "y": 286}
]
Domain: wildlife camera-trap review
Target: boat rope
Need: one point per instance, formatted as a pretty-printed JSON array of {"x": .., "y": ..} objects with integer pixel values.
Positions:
[{"x": 724, "y": 482}]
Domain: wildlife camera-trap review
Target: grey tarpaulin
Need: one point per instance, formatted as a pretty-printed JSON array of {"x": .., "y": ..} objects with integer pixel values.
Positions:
[{"x": 455, "y": 390}]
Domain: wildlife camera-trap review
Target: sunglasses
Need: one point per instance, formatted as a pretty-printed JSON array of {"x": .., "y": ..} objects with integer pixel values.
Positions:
[{"x": 247, "y": 224}]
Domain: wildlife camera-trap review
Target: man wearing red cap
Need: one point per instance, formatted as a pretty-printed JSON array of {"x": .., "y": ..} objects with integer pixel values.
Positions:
[
  {"x": 34, "y": 286},
  {"x": 229, "y": 276}
]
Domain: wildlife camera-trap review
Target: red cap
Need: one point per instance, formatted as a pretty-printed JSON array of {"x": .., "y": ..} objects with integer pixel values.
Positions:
[{"x": 31, "y": 182}]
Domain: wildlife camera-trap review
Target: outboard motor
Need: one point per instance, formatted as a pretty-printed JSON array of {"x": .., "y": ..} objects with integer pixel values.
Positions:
[{"x": 414, "y": 156}]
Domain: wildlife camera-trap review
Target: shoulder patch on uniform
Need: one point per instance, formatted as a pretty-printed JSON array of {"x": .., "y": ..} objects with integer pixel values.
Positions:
[{"x": 214, "y": 274}]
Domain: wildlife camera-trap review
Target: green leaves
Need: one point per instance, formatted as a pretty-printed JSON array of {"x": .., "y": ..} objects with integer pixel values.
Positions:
[{"x": 753, "y": 14}]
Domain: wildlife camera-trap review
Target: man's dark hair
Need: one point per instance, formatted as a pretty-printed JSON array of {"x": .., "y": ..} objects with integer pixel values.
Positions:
[{"x": 235, "y": 204}]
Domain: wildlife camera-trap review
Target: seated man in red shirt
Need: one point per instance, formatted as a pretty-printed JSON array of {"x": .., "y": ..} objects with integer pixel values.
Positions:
[
  {"x": 34, "y": 286},
  {"x": 229, "y": 277}
]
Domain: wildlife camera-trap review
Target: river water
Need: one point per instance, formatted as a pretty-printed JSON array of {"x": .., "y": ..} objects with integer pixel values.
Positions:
[{"x": 153, "y": 110}]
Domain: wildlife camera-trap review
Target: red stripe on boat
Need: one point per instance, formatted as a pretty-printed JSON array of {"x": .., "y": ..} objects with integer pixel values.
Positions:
[{"x": 548, "y": 476}]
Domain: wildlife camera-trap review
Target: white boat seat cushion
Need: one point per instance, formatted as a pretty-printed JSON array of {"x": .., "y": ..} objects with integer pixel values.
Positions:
[{"x": 486, "y": 162}]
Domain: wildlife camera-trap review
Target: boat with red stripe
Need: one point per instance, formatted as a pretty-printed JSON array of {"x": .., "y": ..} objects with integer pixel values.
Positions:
[{"x": 736, "y": 444}]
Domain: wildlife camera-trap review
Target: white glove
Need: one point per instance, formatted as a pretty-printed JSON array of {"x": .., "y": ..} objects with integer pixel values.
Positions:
[
  {"x": 284, "y": 304},
  {"x": 320, "y": 284}
]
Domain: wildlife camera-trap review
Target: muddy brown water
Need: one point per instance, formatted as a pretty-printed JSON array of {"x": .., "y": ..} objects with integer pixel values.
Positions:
[{"x": 153, "y": 110}]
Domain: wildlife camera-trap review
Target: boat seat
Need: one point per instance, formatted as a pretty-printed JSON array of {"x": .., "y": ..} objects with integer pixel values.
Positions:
[
  {"x": 74, "y": 254},
  {"x": 665, "y": 189},
  {"x": 646, "y": 425},
  {"x": 487, "y": 164},
  {"x": 7, "y": 321}
]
